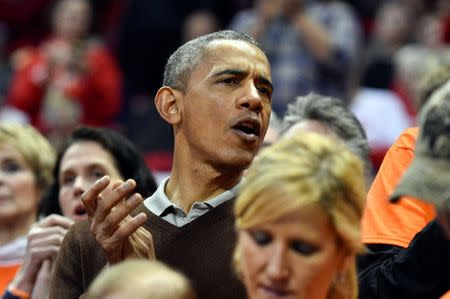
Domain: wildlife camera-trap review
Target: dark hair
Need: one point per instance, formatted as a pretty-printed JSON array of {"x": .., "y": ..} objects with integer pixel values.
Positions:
[
  {"x": 183, "y": 61},
  {"x": 127, "y": 158}
]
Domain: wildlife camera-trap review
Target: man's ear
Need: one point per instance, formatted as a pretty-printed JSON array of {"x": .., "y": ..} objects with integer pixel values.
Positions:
[{"x": 167, "y": 101}]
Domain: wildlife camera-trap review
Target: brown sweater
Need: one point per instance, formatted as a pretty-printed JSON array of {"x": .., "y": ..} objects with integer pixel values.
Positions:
[{"x": 202, "y": 249}]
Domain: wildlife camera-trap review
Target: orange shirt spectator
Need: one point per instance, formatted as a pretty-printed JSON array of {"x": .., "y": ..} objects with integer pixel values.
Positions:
[{"x": 408, "y": 252}]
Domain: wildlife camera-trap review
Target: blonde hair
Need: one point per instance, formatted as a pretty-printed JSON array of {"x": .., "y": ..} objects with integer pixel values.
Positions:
[
  {"x": 316, "y": 170},
  {"x": 35, "y": 149},
  {"x": 144, "y": 279}
]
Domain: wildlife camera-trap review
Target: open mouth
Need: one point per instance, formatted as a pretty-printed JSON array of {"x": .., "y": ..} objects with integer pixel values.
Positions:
[
  {"x": 80, "y": 210},
  {"x": 248, "y": 127}
]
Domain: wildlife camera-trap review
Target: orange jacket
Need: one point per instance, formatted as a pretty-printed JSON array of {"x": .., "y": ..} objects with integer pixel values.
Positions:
[{"x": 395, "y": 224}]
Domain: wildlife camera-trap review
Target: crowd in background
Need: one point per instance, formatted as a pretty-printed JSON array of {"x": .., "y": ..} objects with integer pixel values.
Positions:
[{"x": 371, "y": 54}]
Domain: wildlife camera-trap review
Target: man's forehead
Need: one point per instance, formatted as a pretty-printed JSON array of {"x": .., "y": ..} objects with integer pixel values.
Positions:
[
  {"x": 232, "y": 43},
  {"x": 235, "y": 45},
  {"x": 236, "y": 54}
]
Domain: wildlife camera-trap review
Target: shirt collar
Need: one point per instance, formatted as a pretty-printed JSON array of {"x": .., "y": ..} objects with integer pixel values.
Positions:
[{"x": 158, "y": 202}]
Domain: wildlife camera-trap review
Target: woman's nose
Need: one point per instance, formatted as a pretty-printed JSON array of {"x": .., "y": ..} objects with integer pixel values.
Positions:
[{"x": 278, "y": 265}]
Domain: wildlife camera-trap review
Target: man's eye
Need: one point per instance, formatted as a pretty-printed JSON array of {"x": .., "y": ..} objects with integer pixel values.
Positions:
[
  {"x": 261, "y": 238},
  {"x": 229, "y": 81},
  {"x": 265, "y": 90},
  {"x": 303, "y": 248}
]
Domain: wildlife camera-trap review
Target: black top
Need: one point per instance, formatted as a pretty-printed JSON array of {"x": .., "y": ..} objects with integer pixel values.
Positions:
[{"x": 422, "y": 270}]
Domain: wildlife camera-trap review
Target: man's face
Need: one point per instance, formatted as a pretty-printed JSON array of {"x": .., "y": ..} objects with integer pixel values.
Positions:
[{"x": 227, "y": 105}]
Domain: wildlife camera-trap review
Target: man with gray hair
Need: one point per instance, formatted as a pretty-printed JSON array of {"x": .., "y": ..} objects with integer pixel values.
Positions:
[
  {"x": 328, "y": 116},
  {"x": 217, "y": 98}
]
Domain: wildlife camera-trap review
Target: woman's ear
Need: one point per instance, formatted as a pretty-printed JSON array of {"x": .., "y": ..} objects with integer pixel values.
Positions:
[{"x": 167, "y": 101}]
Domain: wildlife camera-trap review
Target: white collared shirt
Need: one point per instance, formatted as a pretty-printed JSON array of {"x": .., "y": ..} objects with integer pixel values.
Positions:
[{"x": 160, "y": 205}]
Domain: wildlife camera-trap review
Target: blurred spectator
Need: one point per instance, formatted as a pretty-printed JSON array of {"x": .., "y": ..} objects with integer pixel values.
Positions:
[
  {"x": 431, "y": 81},
  {"x": 392, "y": 30},
  {"x": 86, "y": 155},
  {"x": 144, "y": 280},
  {"x": 26, "y": 21},
  {"x": 70, "y": 79},
  {"x": 412, "y": 63},
  {"x": 380, "y": 111},
  {"x": 198, "y": 23},
  {"x": 310, "y": 48},
  {"x": 26, "y": 163},
  {"x": 429, "y": 32},
  {"x": 330, "y": 117}
]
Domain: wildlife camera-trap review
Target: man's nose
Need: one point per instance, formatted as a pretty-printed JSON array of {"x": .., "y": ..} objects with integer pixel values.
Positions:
[
  {"x": 251, "y": 98},
  {"x": 278, "y": 265}
]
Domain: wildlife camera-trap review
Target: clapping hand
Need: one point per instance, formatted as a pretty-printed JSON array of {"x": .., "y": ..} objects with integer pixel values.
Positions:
[
  {"x": 44, "y": 240},
  {"x": 119, "y": 234}
]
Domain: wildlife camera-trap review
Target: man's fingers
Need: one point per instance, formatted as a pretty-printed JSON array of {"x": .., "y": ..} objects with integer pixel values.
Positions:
[
  {"x": 107, "y": 203},
  {"x": 114, "y": 246},
  {"x": 117, "y": 184},
  {"x": 89, "y": 197},
  {"x": 128, "y": 228},
  {"x": 117, "y": 215}
]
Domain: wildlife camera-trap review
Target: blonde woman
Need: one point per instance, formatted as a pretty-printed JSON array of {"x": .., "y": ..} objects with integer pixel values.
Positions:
[
  {"x": 298, "y": 220},
  {"x": 26, "y": 163}
]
